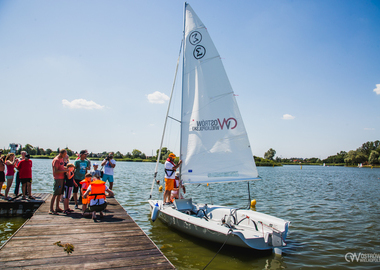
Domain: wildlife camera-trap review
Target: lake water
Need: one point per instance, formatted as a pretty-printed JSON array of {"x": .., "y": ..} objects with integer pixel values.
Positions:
[{"x": 333, "y": 211}]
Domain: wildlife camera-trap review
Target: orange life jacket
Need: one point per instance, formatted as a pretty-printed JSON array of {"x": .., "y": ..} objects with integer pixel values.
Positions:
[
  {"x": 98, "y": 189},
  {"x": 87, "y": 184}
]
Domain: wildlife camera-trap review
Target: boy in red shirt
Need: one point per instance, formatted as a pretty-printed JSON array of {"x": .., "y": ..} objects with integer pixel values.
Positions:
[{"x": 24, "y": 168}]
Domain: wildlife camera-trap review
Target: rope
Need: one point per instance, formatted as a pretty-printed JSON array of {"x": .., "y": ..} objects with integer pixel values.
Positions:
[{"x": 228, "y": 235}]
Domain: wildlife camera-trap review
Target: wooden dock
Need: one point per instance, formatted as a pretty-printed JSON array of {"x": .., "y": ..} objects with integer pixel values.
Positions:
[
  {"x": 19, "y": 207},
  {"x": 115, "y": 241}
]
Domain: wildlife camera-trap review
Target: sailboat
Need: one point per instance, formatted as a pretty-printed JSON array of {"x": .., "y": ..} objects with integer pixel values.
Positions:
[{"x": 214, "y": 149}]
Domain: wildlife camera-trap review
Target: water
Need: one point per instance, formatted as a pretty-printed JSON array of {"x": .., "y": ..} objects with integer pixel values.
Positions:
[{"x": 333, "y": 211}]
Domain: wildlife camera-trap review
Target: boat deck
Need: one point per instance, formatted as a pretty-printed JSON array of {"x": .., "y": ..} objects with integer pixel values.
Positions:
[{"x": 114, "y": 241}]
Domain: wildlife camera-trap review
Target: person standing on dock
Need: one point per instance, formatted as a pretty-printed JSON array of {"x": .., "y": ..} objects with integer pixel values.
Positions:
[
  {"x": 109, "y": 164},
  {"x": 17, "y": 186},
  {"x": 24, "y": 168},
  {"x": 170, "y": 169},
  {"x": 10, "y": 162},
  {"x": 59, "y": 171},
  {"x": 82, "y": 165},
  {"x": 2, "y": 169}
]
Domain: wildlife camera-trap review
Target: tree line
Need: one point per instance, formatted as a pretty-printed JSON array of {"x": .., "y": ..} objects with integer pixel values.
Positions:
[
  {"x": 135, "y": 154},
  {"x": 367, "y": 154}
]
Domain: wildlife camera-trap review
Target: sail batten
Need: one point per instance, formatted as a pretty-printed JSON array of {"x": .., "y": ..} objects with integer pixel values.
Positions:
[{"x": 214, "y": 142}]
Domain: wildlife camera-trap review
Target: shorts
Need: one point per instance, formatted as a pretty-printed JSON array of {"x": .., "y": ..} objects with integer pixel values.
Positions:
[
  {"x": 67, "y": 192},
  {"x": 25, "y": 180},
  {"x": 58, "y": 186},
  {"x": 107, "y": 177},
  {"x": 2, "y": 176},
  {"x": 9, "y": 177},
  {"x": 97, "y": 207},
  {"x": 75, "y": 190},
  {"x": 169, "y": 184}
]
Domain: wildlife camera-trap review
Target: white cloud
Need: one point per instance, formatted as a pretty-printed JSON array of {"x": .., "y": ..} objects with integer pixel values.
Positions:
[
  {"x": 377, "y": 89},
  {"x": 81, "y": 104},
  {"x": 369, "y": 129},
  {"x": 288, "y": 117},
  {"x": 157, "y": 98}
]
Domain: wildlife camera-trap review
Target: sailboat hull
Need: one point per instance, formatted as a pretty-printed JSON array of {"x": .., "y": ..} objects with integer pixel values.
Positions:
[{"x": 253, "y": 232}]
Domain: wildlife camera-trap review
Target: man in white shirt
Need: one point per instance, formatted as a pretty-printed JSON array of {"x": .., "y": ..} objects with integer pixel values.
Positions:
[{"x": 109, "y": 164}]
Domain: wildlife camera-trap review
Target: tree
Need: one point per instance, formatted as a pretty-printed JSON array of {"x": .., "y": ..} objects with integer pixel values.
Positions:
[
  {"x": 374, "y": 157},
  {"x": 69, "y": 152},
  {"x": 164, "y": 153},
  {"x": 48, "y": 151},
  {"x": 270, "y": 154},
  {"x": 118, "y": 155},
  {"x": 355, "y": 157},
  {"x": 29, "y": 149},
  {"x": 136, "y": 153}
]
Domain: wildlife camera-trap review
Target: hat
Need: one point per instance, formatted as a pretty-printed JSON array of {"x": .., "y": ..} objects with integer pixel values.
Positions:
[
  {"x": 177, "y": 174},
  {"x": 95, "y": 164},
  {"x": 82, "y": 152},
  {"x": 171, "y": 155}
]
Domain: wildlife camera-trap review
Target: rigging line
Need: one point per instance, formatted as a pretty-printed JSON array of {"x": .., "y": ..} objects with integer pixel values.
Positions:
[
  {"x": 174, "y": 119},
  {"x": 166, "y": 120},
  {"x": 228, "y": 235}
]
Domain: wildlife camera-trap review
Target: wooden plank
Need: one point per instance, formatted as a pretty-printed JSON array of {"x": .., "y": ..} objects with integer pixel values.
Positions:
[{"x": 115, "y": 241}]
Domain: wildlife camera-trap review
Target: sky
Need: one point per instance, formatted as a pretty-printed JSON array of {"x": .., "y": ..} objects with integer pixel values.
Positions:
[{"x": 96, "y": 75}]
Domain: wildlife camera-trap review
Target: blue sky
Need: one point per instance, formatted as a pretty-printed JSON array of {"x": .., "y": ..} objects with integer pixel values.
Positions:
[{"x": 94, "y": 74}]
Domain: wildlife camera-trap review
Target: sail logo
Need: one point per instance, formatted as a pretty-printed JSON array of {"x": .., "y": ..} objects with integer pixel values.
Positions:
[
  {"x": 199, "y": 52},
  {"x": 227, "y": 123},
  {"x": 217, "y": 124},
  {"x": 195, "y": 37}
]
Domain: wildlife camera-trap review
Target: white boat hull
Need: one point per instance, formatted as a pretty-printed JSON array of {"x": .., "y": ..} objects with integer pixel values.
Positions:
[{"x": 258, "y": 231}]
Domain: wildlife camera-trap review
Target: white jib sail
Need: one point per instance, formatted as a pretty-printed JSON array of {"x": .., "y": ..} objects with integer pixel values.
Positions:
[{"x": 214, "y": 142}]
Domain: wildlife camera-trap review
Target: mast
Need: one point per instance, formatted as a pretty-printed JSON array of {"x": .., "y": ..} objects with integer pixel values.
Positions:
[{"x": 183, "y": 64}]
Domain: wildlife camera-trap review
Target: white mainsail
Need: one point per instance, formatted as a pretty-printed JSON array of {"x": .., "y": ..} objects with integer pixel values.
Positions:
[{"x": 214, "y": 142}]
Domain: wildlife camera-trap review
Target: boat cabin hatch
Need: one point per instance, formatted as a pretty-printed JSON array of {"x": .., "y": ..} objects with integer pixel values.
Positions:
[{"x": 184, "y": 204}]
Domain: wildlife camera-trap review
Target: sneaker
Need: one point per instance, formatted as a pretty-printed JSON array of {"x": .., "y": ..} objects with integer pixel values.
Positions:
[{"x": 76, "y": 206}]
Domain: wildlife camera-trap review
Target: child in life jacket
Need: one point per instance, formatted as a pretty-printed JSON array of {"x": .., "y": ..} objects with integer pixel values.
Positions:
[
  {"x": 68, "y": 187},
  {"x": 96, "y": 195},
  {"x": 86, "y": 182},
  {"x": 177, "y": 185}
]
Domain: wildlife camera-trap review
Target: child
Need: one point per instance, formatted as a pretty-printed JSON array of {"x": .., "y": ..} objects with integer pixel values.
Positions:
[
  {"x": 96, "y": 172},
  {"x": 177, "y": 185},
  {"x": 68, "y": 188},
  {"x": 96, "y": 194},
  {"x": 85, "y": 184}
]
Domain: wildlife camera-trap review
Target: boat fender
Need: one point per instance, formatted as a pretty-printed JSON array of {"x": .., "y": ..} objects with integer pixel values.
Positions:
[{"x": 156, "y": 208}]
